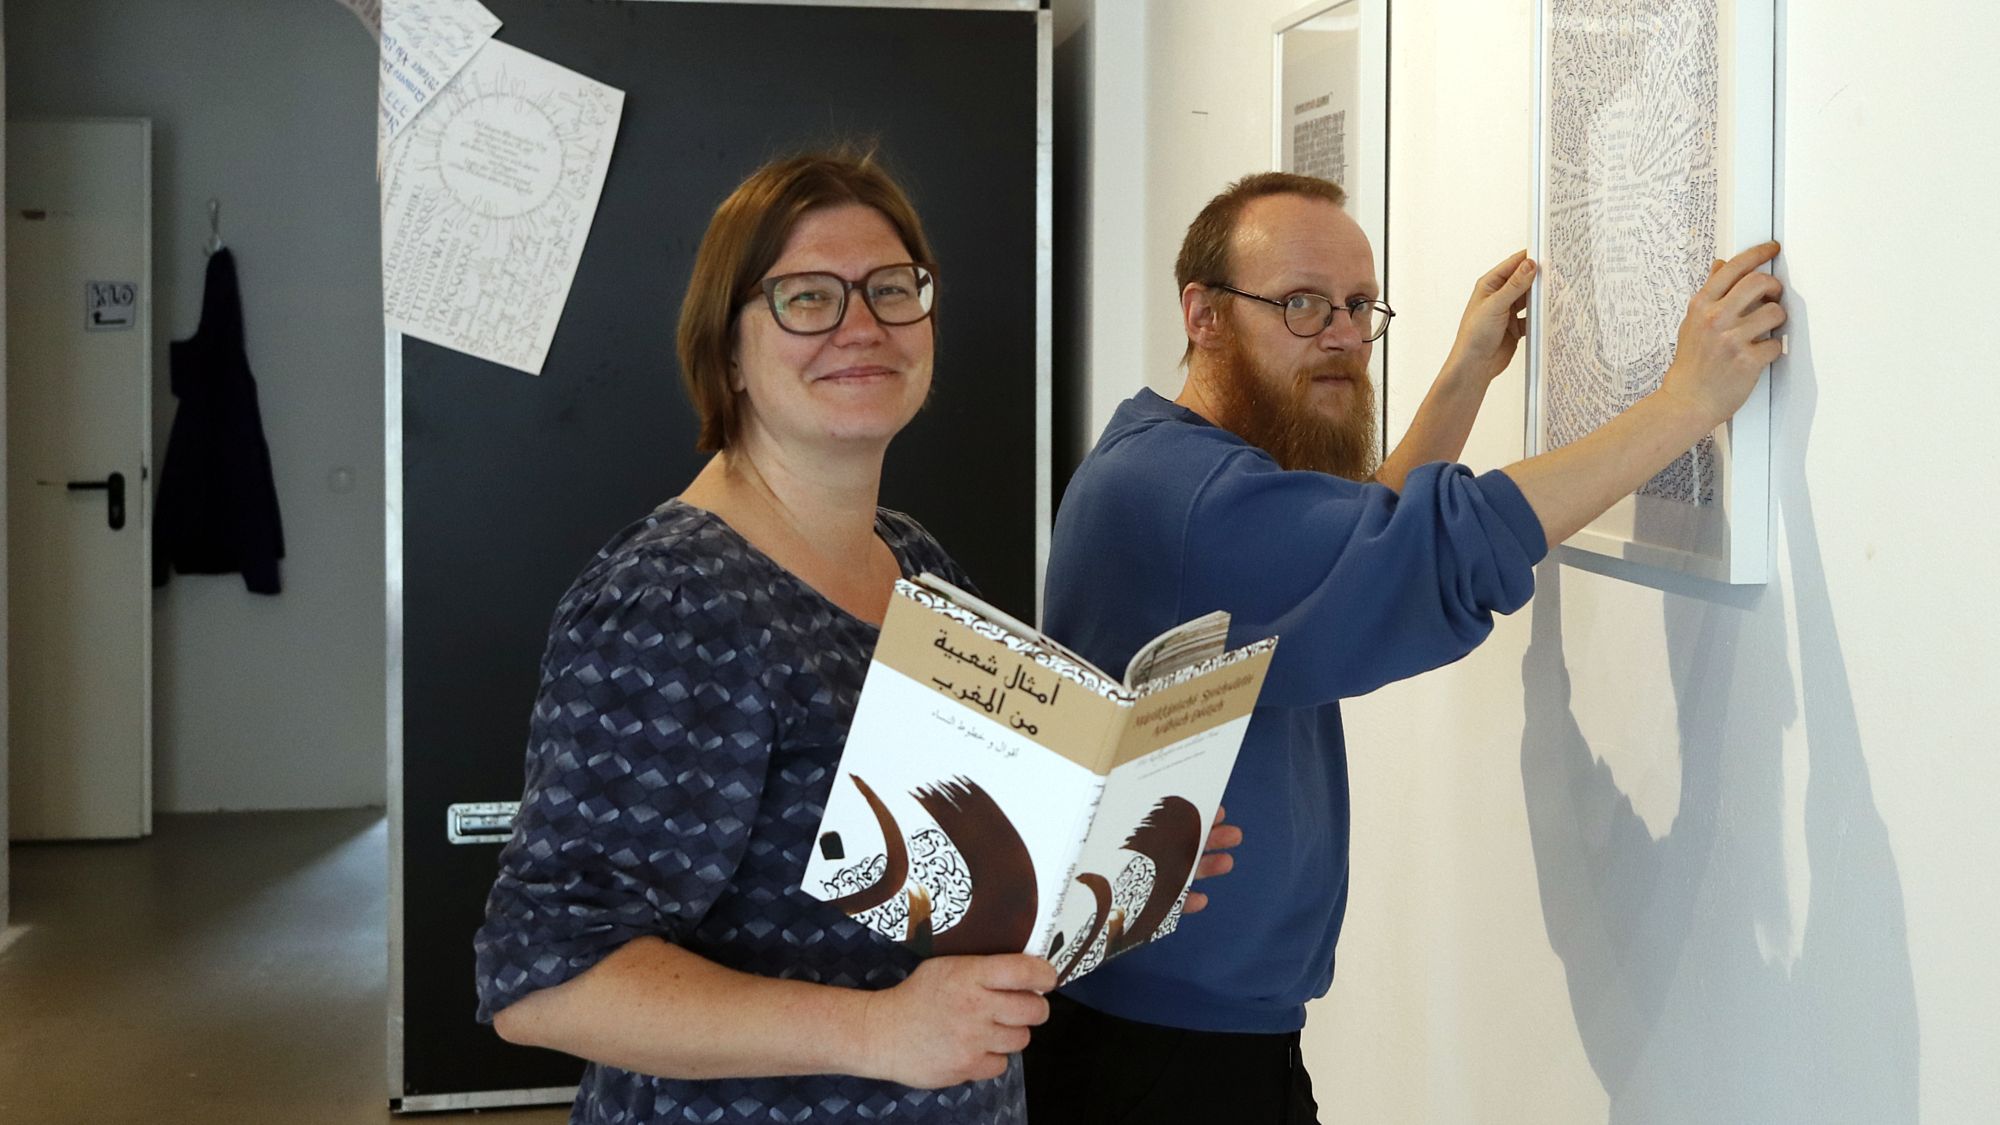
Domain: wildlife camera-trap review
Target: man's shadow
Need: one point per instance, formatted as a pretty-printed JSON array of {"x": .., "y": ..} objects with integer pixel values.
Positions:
[{"x": 1698, "y": 995}]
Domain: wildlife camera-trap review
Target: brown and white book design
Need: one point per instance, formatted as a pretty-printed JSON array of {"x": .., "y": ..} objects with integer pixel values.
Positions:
[{"x": 999, "y": 794}]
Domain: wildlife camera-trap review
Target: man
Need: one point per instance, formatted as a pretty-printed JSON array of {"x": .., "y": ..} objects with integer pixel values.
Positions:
[{"x": 1257, "y": 491}]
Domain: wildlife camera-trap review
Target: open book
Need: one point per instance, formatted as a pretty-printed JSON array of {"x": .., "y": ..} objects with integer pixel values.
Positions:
[{"x": 998, "y": 794}]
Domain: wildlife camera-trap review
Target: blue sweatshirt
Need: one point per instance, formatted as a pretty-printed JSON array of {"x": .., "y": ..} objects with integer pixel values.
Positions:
[{"x": 1170, "y": 517}]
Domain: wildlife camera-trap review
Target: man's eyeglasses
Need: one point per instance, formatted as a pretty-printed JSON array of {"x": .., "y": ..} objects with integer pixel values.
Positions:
[
  {"x": 1309, "y": 314},
  {"x": 811, "y": 304}
]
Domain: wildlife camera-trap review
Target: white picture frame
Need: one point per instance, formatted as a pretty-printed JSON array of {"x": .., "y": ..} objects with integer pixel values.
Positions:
[
  {"x": 1330, "y": 92},
  {"x": 1712, "y": 517}
]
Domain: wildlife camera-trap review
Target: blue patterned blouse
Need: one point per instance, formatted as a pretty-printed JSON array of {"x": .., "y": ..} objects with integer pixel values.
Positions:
[{"x": 694, "y": 700}]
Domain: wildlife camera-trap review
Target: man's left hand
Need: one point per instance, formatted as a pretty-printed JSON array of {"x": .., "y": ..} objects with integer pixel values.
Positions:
[
  {"x": 1494, "y": 321},
  {"x": 1215, "y": 859}
]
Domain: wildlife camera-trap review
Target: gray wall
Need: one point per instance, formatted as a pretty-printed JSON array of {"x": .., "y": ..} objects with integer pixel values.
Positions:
[{"x": 260, "y": 703}]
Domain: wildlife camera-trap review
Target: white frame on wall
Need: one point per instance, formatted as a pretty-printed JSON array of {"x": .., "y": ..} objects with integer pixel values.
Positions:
[
  {"x": 1729, "y": 541},
  {"x": 1367, "y": 179}
]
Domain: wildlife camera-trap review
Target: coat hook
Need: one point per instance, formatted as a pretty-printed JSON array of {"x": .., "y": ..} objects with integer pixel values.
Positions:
[{"x": 214, "y": 225}]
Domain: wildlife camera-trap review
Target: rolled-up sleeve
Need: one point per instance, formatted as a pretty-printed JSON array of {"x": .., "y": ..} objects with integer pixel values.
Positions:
[
  {"x": 647, "y": 754},
  {"x": 1363, "y": 585}
]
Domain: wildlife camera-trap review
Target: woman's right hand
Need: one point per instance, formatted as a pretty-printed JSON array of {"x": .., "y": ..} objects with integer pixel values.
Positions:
[{"x": 956, "y": 1019}]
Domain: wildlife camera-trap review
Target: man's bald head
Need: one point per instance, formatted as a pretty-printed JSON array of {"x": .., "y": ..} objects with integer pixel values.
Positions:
[{"x": 1207, "y": 251}]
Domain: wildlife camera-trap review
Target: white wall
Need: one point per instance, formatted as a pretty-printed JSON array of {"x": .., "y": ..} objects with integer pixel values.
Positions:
[
  {"x": 1688, "y": 856},
  {"x": 1108, "y": 40},
  {"x": 259, "y": 702}
]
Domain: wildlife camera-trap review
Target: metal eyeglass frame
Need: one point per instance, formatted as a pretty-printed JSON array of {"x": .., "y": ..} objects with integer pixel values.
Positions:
[
  {"x": 1388, "y": 314},
  {"x": 769, "y": 287}
]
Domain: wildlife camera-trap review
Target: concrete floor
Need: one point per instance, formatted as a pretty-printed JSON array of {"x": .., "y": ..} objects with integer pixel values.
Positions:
[{"x": 231, "y": 969}]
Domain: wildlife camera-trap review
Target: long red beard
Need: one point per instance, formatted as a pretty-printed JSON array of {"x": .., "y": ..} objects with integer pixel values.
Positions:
[{"x": 1276, "y": 413}]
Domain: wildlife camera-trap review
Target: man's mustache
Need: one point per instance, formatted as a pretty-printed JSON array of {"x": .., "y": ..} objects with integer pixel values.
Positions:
[{"x": 1346, "y": 367}]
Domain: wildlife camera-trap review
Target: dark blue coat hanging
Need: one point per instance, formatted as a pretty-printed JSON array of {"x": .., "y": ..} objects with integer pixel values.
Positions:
[{"x": 216, "y": 511}]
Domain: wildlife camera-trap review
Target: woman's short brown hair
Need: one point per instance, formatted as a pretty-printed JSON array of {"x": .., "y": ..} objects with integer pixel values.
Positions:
[{"x": 744, "y": 238}]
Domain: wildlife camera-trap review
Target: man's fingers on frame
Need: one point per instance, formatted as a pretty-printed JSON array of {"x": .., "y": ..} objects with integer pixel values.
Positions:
[
  {"x": 1754, "y": 289},
  {"x": 1733, "y": 270},
  {"x": 1499, "y": 275},
  {"x": 1769, "y": 287},
  {"x": 1221, "y": 863},
  {"x": 1223, "y": 836},
  {"x": 1195, "y": 903},
  {"x": 1767, "y": 318}
]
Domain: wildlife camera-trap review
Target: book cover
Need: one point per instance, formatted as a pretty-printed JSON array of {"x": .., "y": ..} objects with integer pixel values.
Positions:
[{"x": 999, "y": 794}]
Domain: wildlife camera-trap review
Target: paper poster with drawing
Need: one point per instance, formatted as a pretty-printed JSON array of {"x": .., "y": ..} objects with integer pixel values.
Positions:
[
  {"x": 999, "y": 794},
  {"x": 424, "y": 45},
  {"x": 486, "y": 204}
]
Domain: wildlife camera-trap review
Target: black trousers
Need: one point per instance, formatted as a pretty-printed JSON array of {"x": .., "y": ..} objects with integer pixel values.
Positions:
[{"x": 1084, "y": 1066}]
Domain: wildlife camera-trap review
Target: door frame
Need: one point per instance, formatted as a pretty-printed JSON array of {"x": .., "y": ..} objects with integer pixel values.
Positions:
[{"x": 5, "y": 828}]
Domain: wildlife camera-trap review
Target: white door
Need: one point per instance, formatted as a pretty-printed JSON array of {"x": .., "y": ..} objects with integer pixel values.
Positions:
[{"x": 79, "y": 441}]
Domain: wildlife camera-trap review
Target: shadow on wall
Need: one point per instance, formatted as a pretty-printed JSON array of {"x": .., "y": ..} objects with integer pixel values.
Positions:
[{"x": 1689, "y": 1008}]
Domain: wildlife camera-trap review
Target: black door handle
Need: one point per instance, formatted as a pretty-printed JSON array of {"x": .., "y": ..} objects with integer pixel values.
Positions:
[{"x": 114, "y": 488}]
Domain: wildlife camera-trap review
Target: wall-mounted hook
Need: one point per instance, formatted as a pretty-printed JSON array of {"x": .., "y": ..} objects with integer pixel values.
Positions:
[{"x": 214, "y": 225}]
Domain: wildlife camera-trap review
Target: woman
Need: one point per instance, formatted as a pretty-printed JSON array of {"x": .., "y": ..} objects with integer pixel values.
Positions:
[{"x": 696, "y": 692}]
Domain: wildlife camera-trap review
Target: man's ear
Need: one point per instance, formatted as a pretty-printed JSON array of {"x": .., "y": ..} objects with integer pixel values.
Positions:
[{"x": 1201, "y": 315}]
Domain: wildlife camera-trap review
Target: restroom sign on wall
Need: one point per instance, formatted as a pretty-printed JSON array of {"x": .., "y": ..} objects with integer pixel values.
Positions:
[{"x": 110, "y": 305}]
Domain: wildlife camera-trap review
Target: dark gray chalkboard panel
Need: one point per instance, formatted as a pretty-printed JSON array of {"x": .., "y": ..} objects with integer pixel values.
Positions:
[{"x": 510, "y": 482}]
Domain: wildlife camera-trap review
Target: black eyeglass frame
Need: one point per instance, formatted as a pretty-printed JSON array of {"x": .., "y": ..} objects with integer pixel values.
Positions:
[
  {"x": 769, "y": 287},
  {"x": 1283, "y": 303}
]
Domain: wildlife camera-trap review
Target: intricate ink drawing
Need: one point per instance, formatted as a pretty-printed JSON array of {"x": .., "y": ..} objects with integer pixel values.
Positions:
[
  {"x": 1145, "y": 900},
  {"x": 1000, "y": 916},
  {"x": 487, "y": 200},
  {"x": 1087, "y": 951},
  {"x": 1168, "y": 842},
  {"x": 1631, "y": 209},
  {"x": 966, "y": 886},
  {"x": 935, "y": 865}
]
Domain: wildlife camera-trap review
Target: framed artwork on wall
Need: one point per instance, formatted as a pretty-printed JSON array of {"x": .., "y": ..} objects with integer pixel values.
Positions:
[
  {"x": 1330, "y": 118},
  {"x": 1654, "y": 138}
]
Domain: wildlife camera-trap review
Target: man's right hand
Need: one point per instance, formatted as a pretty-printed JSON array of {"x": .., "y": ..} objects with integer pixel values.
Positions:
[
  {"x": 1724, "y": 346},
  {"x": 1725, "y": 340},
  {"x": 956, "y": 1019}
]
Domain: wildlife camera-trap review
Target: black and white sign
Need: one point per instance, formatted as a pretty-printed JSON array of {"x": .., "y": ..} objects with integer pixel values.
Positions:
[{"x": 110, "y": 305}]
